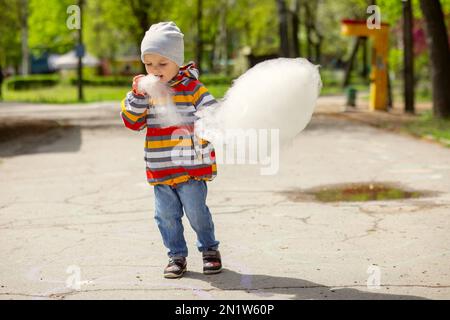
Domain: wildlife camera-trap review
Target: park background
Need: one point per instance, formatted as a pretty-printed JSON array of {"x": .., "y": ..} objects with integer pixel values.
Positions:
[
  {"x": 361, "y": 194},
  {"x": 223, "y": 37}
]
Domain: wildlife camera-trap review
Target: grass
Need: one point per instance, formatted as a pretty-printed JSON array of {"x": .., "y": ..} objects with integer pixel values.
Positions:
[
  {"x": 332, "y": 82},
  {"x": 429, "y": 127},
  {"x": 338, "y": 90},
  {"x": 64, "y": 94},
  {"x": 397, "y": 92},
  {"x": 218, "y": 90}
]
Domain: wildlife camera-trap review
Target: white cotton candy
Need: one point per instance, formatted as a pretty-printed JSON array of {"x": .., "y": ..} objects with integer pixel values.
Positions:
[
  {"x": 274, "y": 94},
  {"x": 162, "y": 98}
]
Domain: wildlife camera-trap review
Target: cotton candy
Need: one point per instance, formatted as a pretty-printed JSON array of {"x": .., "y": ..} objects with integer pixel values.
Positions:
[
  {"x": 161, "y": 96},
  {"x": 275, "y": 94}
]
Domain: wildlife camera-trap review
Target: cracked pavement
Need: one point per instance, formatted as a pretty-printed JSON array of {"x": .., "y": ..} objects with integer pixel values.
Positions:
[{"x": 75, "y": 208}]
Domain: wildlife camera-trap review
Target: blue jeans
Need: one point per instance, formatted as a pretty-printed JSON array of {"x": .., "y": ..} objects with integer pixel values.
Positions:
[{"x": 169, "y": 205}]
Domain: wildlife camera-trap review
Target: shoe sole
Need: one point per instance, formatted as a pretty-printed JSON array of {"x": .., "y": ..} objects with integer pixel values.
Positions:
[
  {"x": 174, "y": 275},
  {"x": 212, "y": 271}
]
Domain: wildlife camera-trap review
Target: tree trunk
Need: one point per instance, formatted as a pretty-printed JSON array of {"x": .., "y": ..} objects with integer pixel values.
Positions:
[
  {"x": 140, "y": 10},
  {"x": 348, "y": 70},
  {"x": 365, "y": 66},
  {"x": 283, "y": 28},
  {"x": 1, "y": 81},
  {"x": 295, "y": 19},
  {"x": 408, "y": 56},
  {"x": 212, "y": 61},
  {"x": 317, "y": 51},
  {"x": 390, "y": 99},
  {"x": 439, "y": 51},
  {"x": 307, "y": 19},
  {"x": 318, "y": 47},
  {"x": 25, "y": 68},
  {"x": 221, "y": 41},
  {"x": 199, "y": 39}
]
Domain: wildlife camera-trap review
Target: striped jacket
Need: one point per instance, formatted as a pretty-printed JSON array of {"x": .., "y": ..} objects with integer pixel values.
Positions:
[{"x": 173, "y": 154}]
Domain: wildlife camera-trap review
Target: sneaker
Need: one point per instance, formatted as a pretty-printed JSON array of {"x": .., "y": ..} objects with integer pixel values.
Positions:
[
  {"x": 212, "y": 262},
  {"x": 176, "y": 268}
]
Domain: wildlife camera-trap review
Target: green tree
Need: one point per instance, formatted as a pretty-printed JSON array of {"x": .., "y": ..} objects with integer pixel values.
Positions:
[
  {"x": 10, "y": 49},
  {"x": 437, "y": 38},
  {"x": 48, "y": 26},
  {"x": 110, "y": 29}
]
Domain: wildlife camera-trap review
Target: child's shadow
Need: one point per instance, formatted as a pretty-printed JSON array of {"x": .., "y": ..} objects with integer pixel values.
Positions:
[{"x": 267, "y": 286}]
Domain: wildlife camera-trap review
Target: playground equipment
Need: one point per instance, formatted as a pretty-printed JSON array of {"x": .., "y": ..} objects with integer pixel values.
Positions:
[{"x": 379, "y": 72}]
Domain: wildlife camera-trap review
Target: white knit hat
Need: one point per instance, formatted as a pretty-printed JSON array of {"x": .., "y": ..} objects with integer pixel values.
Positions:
[{"x": 165, "y": 39}]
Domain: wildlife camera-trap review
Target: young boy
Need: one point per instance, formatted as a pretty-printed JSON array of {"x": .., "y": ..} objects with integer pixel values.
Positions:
[{"x": 179, "y": 181}]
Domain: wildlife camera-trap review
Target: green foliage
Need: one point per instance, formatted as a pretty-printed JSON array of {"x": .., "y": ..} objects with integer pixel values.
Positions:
[
  {"x": 68, "y": 94},
  {"x": 395, "y": 60},
  {"x": 109, "y": 28},
  {"x": 47, "y": 26},
  {"x": 111, "y": 81},
  {"x": 429, "y": 127},
  {"x": 31, "y": 82},
  {"x": 113, "y": 29},
  {"x": 332, "y": 82},
  {"x": 10, "y": 52},
  {"x": 216, "y": 79},
  {"x": 423, "y": 75},
  {"x": 330, "y": 14},
  {"x": 42, "y": 81},
  {"x": 218, "y": 91},
  {"x": 262, "y": 22}
]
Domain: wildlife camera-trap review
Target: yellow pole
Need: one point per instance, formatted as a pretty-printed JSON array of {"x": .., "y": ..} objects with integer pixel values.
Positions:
[
  {"x": 379, "y": 84},
  {"x": 378, "y": 74}
]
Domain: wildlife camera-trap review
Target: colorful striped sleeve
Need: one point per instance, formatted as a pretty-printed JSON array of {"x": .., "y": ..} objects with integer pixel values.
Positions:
[
  {"x": 134, "y": 111},
  {"x": 201, "y": 97}
]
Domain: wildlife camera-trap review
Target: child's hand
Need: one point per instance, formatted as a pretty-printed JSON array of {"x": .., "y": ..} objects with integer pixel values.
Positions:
[{"x": 135, "y": 85}]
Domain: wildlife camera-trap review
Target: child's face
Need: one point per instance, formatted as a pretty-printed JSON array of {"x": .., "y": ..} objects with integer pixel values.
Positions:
[{"x": 160, "y": 66}]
